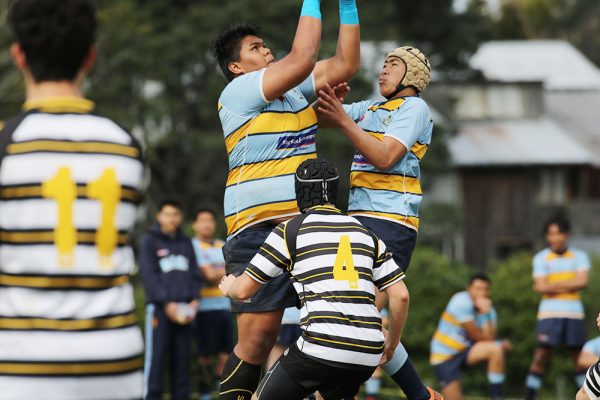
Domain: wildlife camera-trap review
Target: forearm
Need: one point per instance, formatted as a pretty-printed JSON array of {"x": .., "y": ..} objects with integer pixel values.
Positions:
[
  {"x": 308, "y": 34},
  {"x": 488, "y": 331},
  {"x": 211, "y": 274},
  {"x": 373, "y": 149}
]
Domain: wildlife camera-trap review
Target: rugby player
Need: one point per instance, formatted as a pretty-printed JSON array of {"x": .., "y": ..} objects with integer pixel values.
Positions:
[
  {"x": 70, "y": 181},
  {"x": 591, "y": 388},
  {"x": 390, "y": 138},
  {"x": 269, "y": 130},
  {"x": 559, "y": 272},
  {"x": 335, "y": 264}
]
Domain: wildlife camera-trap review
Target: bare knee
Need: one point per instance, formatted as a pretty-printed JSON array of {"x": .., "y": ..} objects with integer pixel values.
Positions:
[{"x": 540, "y": 360}]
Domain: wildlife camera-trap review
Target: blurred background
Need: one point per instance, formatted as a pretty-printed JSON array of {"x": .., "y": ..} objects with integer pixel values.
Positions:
[{"x": 515, "y": 98}]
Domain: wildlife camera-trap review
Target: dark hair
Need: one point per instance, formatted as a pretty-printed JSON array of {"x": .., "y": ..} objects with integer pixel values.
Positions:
[
  {"x": 563, "y": 225},
  {"x": 227, "y": 45},
  {"x": 480, "y": 276},
  {"x": 55, "y": 35},
  {"x": 205, "y": 210},
  {"x": 170, "y": 202}
]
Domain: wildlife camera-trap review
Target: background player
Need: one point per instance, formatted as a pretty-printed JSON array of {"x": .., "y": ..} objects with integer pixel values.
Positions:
[
  {"x": 70, "y": 184},
  {"x": 591, "y": 388},
  {"x": 466, "y": 336},
  {"x": 391, "y": 138},
  {"x": 335, "y": 264},
  {"x": 559, "y": 273},
  {"x": 289, "y": 333},
  {"x": 213, "y": 327},
  {"x": 269, "y": 130},
  {"x": 589, "y": 354}
]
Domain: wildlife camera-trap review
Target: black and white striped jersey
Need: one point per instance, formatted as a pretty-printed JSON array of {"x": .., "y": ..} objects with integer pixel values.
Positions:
[
  {"x": 70, "y": 182},
  {"x": 592, "y": 382},
  {"x": 335, "y": 272}
]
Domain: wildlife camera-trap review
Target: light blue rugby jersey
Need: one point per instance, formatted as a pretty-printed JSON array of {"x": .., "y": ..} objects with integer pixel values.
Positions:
[
  {"x": 557, "y": 268},
  {"x": 592, "y": 347},
  {"x": 394, "y": 194},
  {"x": 266, "y": 142},
  {"x": 450, "y": 338},
  {"x": 210, "y": 255}
]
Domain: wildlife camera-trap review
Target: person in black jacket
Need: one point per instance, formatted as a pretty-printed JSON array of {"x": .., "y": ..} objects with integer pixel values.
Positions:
[{"x": 172, "y": 285}]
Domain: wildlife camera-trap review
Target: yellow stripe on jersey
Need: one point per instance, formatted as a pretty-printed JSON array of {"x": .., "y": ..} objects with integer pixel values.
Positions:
[
  {"x": 552, "y": 255},
  {"x": 377, "y": 135},
  {"x": 379, "y": 181},
  {"x": 119, "y": 321},
  {"x": 563, "y": 296},
  {"x": 439, "y": 358},
  {"x": 412, "y": 222},
  {"x": 60, "y": 104},
  {"x": 446, "y": 316},
  {"x": 389, "y": 106},
  {"x": 273, "y": 122},
  {"x": 210, "y": 292},
  {"x": 260, "y": 213},
  {"x": 341, "y": 318},
  {"x": 73, "y": 147},
  {"x": 266, "y": 169},
  {"x": 449, "y": 341},
  {"x": 49, "y": 282},
  {"x": 60, "y": 368},
  {"x": 561, "y": 276},
  {"x": 419, "y": 150},
  {"x": 362, "y": 346},
  {"x": 48, "y": 236},
  {"x": 12, "y": 193}
]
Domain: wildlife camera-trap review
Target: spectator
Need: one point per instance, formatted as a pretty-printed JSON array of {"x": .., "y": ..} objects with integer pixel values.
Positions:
[{"x": 172, "y": 284}]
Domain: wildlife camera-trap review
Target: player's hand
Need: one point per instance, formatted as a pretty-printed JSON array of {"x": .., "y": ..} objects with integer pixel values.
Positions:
[
  {"x": 341, "y": 90},
  {"x": 330, "y": 106},
  {"x": 388, "y": 353},
  {"x": 598, "y": 321},
  {"x": 226, "y": 283},
  {"x": 483, "y": 305},
  {"x": 171, "y": 311}
]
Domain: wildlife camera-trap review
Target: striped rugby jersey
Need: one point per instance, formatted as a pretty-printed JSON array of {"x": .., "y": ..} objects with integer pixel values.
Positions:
[
  {"x": 335, "y": 273},
  {"x": 70, "y": 183},
  {"x": 395, "y": 194},
  {"x": 210, "y": 255},
  {"x": 265, "y": 142},
  {"x": 450, "y": 338},
  {"x": 557, "y": 268},
  {"x": 592, "y": 347}
]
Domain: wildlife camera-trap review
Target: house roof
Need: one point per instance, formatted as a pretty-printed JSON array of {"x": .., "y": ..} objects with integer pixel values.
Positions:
[
  {"x": 555, "y": 62},
  {"x": 516, "y": 142}
]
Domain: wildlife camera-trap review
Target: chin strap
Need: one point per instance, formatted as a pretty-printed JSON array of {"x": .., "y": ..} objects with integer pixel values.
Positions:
[{"x": 399, "y": 88}]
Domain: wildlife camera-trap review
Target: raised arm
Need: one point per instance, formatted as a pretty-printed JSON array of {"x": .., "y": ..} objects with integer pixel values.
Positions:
[
  {"x": 346, "y": 61},
  {"x": 293, "y": 69}
]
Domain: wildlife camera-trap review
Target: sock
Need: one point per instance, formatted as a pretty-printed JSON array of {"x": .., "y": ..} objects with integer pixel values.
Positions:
[
  {"x": 372, "y": 387},
  {"x": 403, "y": 373},
  {"x": 240, "y": 379},
  {"x": 348, "y": 12},
  {"x": 311, "y": 8},
  {"x": 579, "y": 378},
  {"x": 495, "y": 379},
  {"x": 205, "y": 379},
  {"x": 534, "y": 383}
]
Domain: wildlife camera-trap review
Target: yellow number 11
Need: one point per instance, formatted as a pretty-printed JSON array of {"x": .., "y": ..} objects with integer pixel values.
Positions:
[{"x": 63, "y": 189}]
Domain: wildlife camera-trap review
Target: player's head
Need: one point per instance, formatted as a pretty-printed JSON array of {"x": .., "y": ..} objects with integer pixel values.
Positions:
[
  {"x": 205, "y": 224},
  {"x": 170, "y": 215},
  {"x": 239, "y": 49},
  {"x": 317, "y": 182},
  {"x": 479, "y": 286},
  {"x": 556, "y": 231},
  {"x": 405, "y": 70},
  {"x": 54, "y": 39}
]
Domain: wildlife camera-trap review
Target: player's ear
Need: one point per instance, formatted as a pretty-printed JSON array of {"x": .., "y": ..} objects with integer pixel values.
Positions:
[
  {"x": 235, "y": 68},
  {"x": 87, "y": 65},
  {"x": 18, "y": 56}
]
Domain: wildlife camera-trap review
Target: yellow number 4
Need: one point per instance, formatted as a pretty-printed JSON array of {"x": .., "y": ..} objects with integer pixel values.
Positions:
[{"x": 343, "y": 269}]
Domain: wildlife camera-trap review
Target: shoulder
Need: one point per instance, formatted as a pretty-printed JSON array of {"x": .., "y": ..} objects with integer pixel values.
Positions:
[
  {"x": 461, "y": 300},
  {"x": 578, "y": 252},
  {"x": 541, "y": 255},
  {"x": 240, "y": 84},
  {"x": 414, "y": 105}
]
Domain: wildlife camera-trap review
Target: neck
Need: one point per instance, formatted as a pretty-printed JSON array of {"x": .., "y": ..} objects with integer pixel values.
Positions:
[
  {"x": 42, "y": 90},
  {"x": 405, "y": 93},
  {"x": 205, "y": 239}
]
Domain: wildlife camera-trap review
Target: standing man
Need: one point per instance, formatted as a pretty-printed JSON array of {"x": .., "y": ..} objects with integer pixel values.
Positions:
[
  {"x": 559, "y": 273},
  {"x": 466, "y": 336},
  {"x": 269, "y": 130},
  {"x": 335, "y": 264},
  {"x": 172, "y": 284},
  {"x": 70, "y": 182},
  {"x": 390, "y": 138},
  {"x": 213, "y": 327},
  {"x": 591, "y": 388}
]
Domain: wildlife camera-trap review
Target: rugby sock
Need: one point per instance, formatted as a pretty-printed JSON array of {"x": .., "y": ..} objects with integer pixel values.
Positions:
[
  {"x": 348, "y": 12},
  {"x": 495, "y": 379},
  {"x": 372, "y": 387},
  {"x": 240, "y": 379},
  {"x": 403, "y": 373},
  {"x": 533, "y": 383},
  {"x": 311, "y": 8}
]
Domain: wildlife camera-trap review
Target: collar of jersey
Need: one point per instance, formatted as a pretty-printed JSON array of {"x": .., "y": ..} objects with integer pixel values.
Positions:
[
  {"x": 324, "y": 209},
  {"x": 66, "y": 104}
]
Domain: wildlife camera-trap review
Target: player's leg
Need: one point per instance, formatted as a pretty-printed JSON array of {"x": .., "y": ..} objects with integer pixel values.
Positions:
[
  {"x": 181, "y": 346},
  {"x": 575, "y": 339},
  {"x": 448, "y": 376},
  {"x": 548, "y": 335},
  {"x": 226, "y": 343},
  {"x": 158, "y": 328},
  {"x": 493, "y": 353},
  {"x": 278, "y": 385},
  {"x": 204, "y": 333},
  {"x": 343, "y": 383}
]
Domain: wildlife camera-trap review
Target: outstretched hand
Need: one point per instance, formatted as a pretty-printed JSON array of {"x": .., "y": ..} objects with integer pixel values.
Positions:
[{"x": 330, "y": 106}]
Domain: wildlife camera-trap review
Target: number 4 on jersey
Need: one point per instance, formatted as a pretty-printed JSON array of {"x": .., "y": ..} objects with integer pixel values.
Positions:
[{"x": 343, "y": 269}]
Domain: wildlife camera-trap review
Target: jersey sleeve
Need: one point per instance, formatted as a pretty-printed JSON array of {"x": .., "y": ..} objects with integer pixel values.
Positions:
[
  {"x": 583, "y": 261},
  {"x": 357, "y": 110},
  {"x": 385, "y": 270},
  {"x": 462, "y": 309},
  {"x": 409, "y": 122},
  {"x": 539, "y": 266},
  {"x": 244, "y": 95},
  {"x": 272, "y": 259},
  {"x": 308, "y": 88},
  {"x": 592, "y": 347}
]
